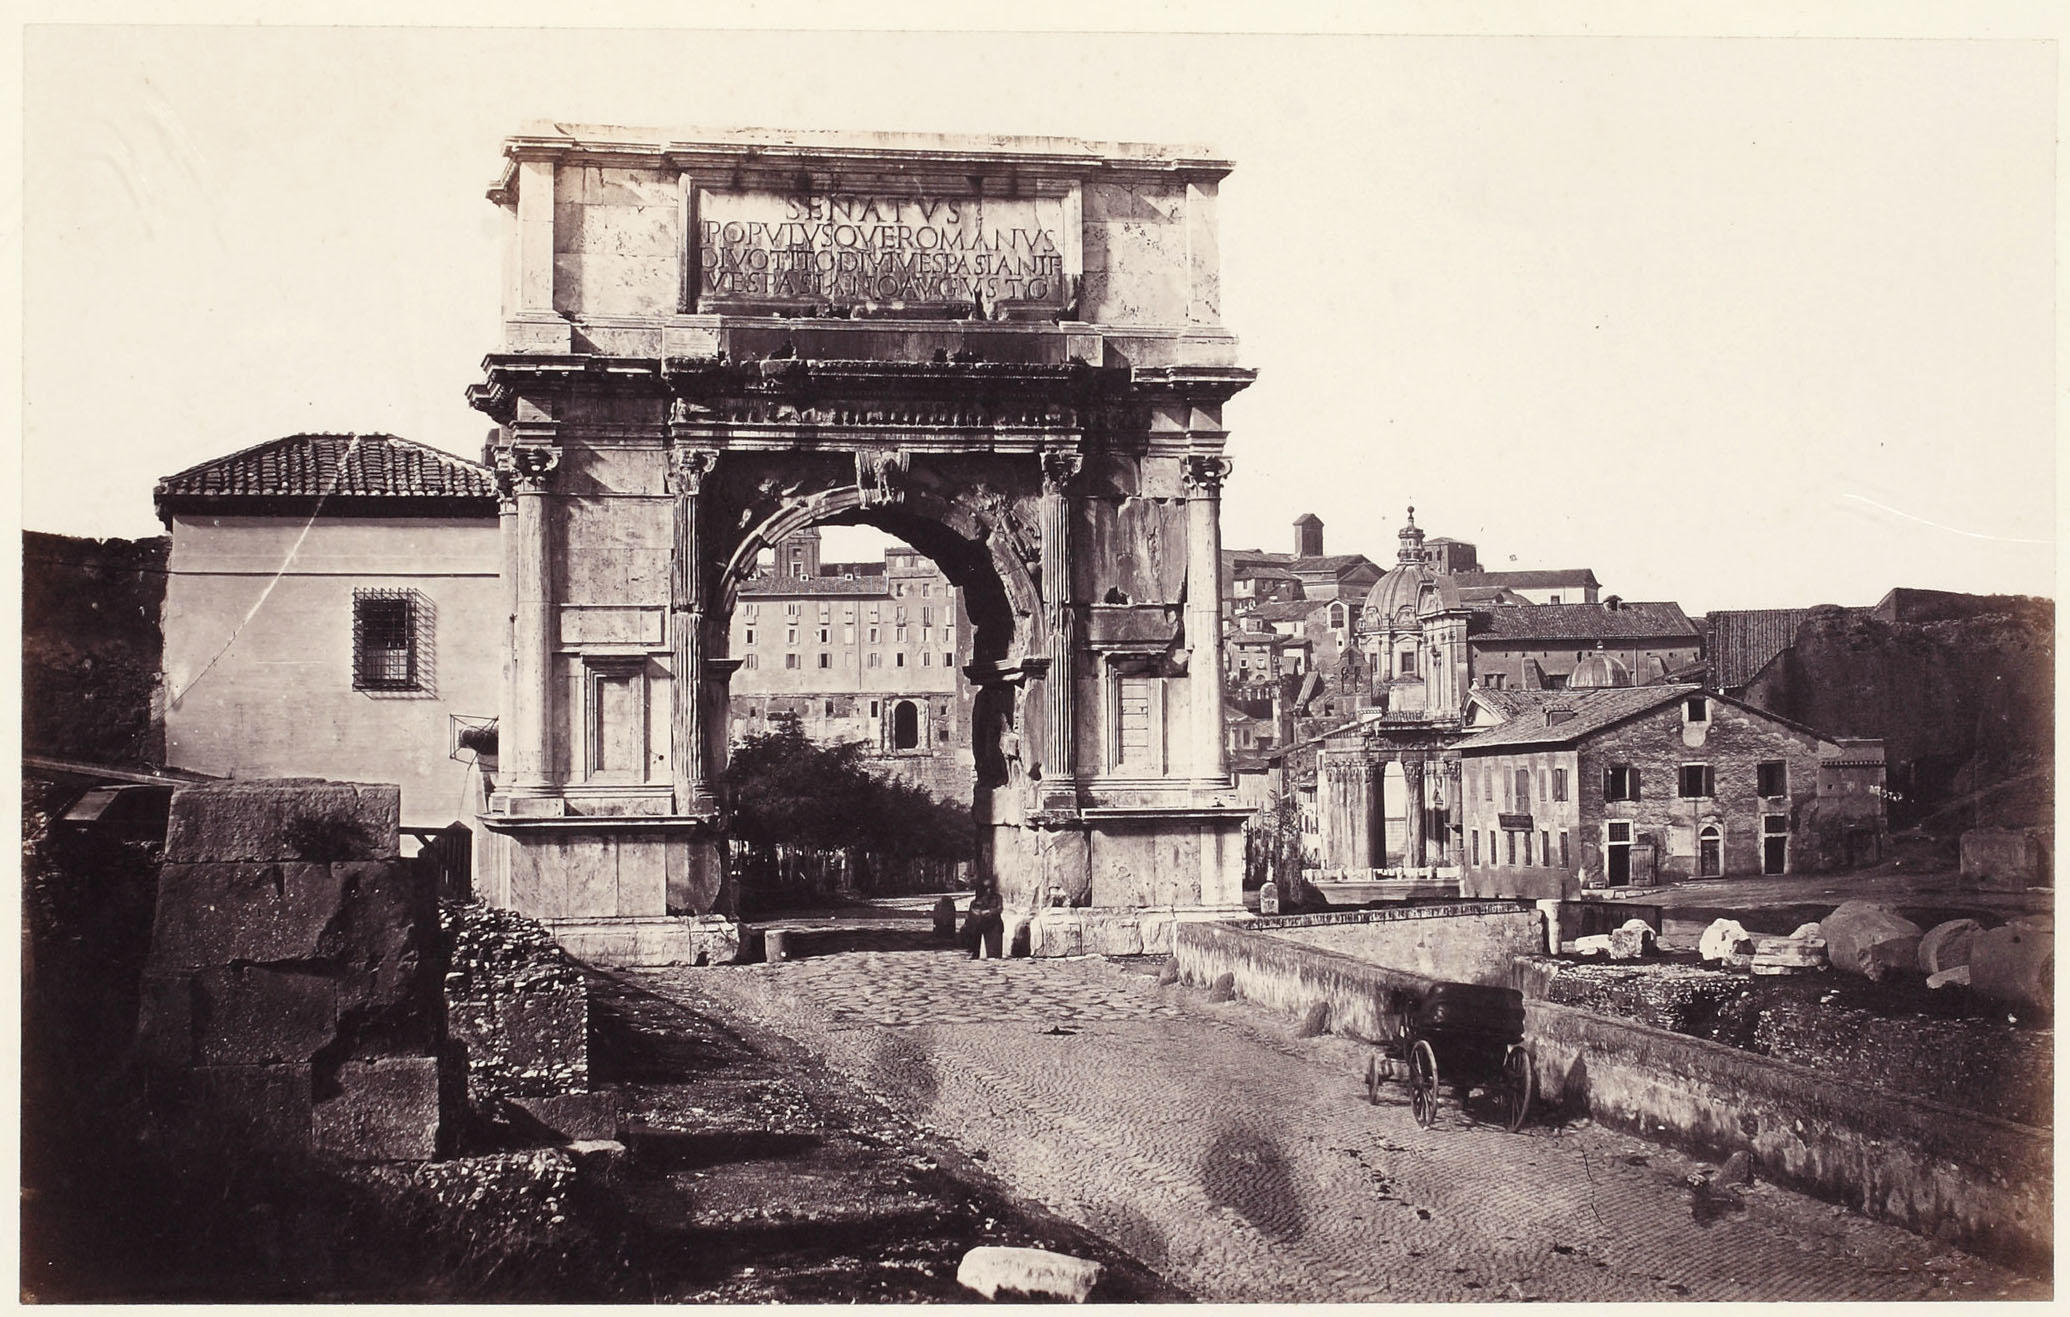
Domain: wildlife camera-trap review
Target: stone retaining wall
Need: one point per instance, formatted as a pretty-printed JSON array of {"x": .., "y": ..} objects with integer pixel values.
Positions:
[
  {"x": 1981, "y": 1183},
  {"x": 1466, "y": 943}
]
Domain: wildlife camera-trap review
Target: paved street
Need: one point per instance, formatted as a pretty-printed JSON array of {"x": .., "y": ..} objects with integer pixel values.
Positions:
[{"x": 1243, "y": 1163}]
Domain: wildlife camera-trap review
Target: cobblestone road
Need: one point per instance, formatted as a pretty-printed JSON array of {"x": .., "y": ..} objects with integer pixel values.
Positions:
[{"x": 1243, "y": 1163}]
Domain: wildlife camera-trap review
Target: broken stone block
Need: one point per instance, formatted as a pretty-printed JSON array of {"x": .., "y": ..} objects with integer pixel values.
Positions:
[
  {"x": 1724, "y": 938},
  {"x": 1057, "y": 932},
  {"x": 1957, "y": 975},
  {"x": 1737, "y": 1170},
  {"x": 260, "y": 1014},
  {"x": 2015, "y": 966},
  {"x": 1872, "y": 940},
  {"x": 1034, "y": 1273},
  {"x": 573, "y": 1117},
  {"x": 1223, "y": 988},
  {"x": 385, "y": 1110},
  {"x": 214, "y": 913},
  {"x": 285, "y": 819},
  {"x": 1634, "y": 940},
  {"x": 1788, "y": 955},
  {"x": 1595, "y": 944},
  {"x": 1947, "y": 945}
]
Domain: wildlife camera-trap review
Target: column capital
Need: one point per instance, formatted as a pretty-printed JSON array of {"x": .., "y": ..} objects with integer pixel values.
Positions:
[
  {"x": 1412, "y": 770},
  {"x": 525, "y": 468},
  {"x": 1060, "y": 466},
  {"x": 688, "y": 465},
  {"x": 1206, "y": 472}
]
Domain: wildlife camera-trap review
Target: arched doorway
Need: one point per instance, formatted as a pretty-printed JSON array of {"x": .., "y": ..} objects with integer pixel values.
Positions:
[{"x": 905, "y": 726}]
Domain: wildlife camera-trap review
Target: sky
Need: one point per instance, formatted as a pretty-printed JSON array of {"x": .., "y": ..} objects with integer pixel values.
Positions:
[{"x": 1734, "y": 322}]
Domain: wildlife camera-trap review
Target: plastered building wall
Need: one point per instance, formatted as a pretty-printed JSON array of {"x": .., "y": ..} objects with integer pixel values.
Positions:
[{"x": 259, "y": 651}]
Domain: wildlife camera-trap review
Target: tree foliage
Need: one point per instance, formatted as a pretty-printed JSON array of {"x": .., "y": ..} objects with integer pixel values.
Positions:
[{"x": 788, "y": 789}]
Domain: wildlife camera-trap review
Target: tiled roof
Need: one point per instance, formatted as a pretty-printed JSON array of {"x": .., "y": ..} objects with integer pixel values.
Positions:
[
  {"x": 1744, "y": 641},
  {"x": 1332, "y": 564},
  {"x": 1583, "y": 622},
  {"x": 1594, "y": 710},
  {"x": 1579, "y": 577},
  {"x": 344, "y": 466},
  {"x": 1290, "y": 610},
  {"x": 1509, "y": 703}
]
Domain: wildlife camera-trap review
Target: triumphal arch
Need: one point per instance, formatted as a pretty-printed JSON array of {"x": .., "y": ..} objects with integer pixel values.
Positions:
[{"x": 1007, "y": 352}]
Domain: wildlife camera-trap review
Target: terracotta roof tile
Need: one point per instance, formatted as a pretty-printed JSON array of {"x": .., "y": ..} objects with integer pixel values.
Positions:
[
  {"x": 1583, "y": 622},
  {"x": 1593, "y": 711},
  {"x": 354, "y": 466}
]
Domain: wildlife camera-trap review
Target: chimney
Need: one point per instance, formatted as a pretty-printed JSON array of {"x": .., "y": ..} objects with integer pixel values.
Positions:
[{"x": 1308, "y": 536}]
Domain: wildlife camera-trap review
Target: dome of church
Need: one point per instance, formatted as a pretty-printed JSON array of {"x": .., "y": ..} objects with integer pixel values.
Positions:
[
  {"x": 1599, "y": 670},
  {"x": 1411, "y": 588}
]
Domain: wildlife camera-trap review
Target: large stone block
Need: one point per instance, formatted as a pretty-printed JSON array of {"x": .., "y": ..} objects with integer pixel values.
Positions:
[
  {"x": 383, "y": 939},
  {"x": 259, "y": 1014},
  {"x": 1948, "y": 945},
  {"x": 268, "y": 1105},
  {"x": 573, "y": 1117},
  {"x": 283, "y": 819},
  {"x": 165, "y": 1019},
  {"x": 214, "y": 913},
  {"x": 2015, "y": 965},
  {"x": 1869, "y": 939},
  {"x": 386, "y": 1109}
]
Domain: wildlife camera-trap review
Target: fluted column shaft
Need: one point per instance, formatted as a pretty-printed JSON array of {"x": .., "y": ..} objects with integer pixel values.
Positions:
[
  {"x": 1204, "y": 476},
  {"x": 690, "y": 774},
  {"x": 1059, "y": 467}
]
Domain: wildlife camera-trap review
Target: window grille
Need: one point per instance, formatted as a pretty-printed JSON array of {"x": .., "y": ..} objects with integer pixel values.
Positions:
[{"x": 391, "y": 640}]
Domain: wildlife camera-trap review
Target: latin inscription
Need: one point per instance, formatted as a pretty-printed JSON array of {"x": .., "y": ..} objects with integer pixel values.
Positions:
[{"x": 874, "y": 250}]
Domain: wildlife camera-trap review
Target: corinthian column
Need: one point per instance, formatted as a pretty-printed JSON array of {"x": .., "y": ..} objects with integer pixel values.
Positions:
[
  {"x": 1205, "y": 473},
  {"x": 691, "y": 775},
  {"x": 1059, "y": 467},
  {"x": 1413, "y": 813},
  {"x": 524, "y": 474}
]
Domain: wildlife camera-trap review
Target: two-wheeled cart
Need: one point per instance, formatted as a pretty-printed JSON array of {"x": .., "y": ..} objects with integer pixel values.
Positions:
[{"x": 1463, "y": 1034}]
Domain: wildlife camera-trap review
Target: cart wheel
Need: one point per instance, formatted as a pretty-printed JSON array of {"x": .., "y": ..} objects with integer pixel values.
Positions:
[
  {"x": 1373, "y": 1078},
  {"x": 1423, "y": 1083},
  {"x": 1519, "y": 1085}
]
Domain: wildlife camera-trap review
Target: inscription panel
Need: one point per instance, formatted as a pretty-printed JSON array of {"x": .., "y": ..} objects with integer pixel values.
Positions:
[{"x": 879, "y": 252}]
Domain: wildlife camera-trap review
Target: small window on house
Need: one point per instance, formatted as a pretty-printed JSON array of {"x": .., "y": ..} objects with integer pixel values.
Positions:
[
  {"x": 1512, "y": 847},
  {"x": 750, "y": 635},
  {"x": 1620, "y": 782},
  {"x": 1476, "y": 848},
  {"x": 1696, "y": 781},
  {"x": 824, "y": 634},
  {"x": 927, "y": 658},
  {"x": 790, "y": 635},
  {"x": 875, "y": 661},
  {"x": 1698, "y": 708},
  {"x": 384, "y": 640},
  {"x": 1773, "y": 777},
  {"x": 1522, "y": 799},
  {"x": 1565, "y": 861},
  {"x": 899, "y": 634},
  {"x": 1406, "y": 666},
  {"x": 790, "y": 610},
  {"x": 1545, "y": 847},
  {"x": 826, "y": 660},
  {"x": 948, "y": 660},
  {"x": 873, "y": 635},
  {"x": 790, "y": 660},
  {"x": 1555, "y": 599},
  {"x": 828, "y": 709},
  {"x": 748, "y": 662},
  {"x": 901, "y": 661},
  {"x": 873, "y": 708},
  {"x": 1559, "y": 785}
]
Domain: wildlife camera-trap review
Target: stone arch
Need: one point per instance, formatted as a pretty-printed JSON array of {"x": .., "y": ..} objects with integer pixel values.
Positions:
[{"x": 905, "y": 725}]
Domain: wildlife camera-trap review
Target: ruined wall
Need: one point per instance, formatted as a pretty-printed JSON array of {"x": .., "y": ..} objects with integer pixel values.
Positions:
[
  {"x": 1965, "y": 707},
  {"x": 1468, "y": 945},
  {"x": 292, "y": 985},
  {"x": 90, "y": 648}
]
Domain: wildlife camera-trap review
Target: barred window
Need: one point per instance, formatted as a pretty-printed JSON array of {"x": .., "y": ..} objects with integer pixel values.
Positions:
[{"x": 385, "y": 640}]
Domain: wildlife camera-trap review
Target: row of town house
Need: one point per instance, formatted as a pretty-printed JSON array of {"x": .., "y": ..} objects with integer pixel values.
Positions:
[{"x": 1517, "y": 730}]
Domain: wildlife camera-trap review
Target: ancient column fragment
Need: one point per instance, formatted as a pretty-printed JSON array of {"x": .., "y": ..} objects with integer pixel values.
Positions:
[
  {"x": 1205, "y": 473},
  {"x": 1059, "y": 467},
  {"x": 688, "y": 466},
  {"x": 525, "y": 473}
]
